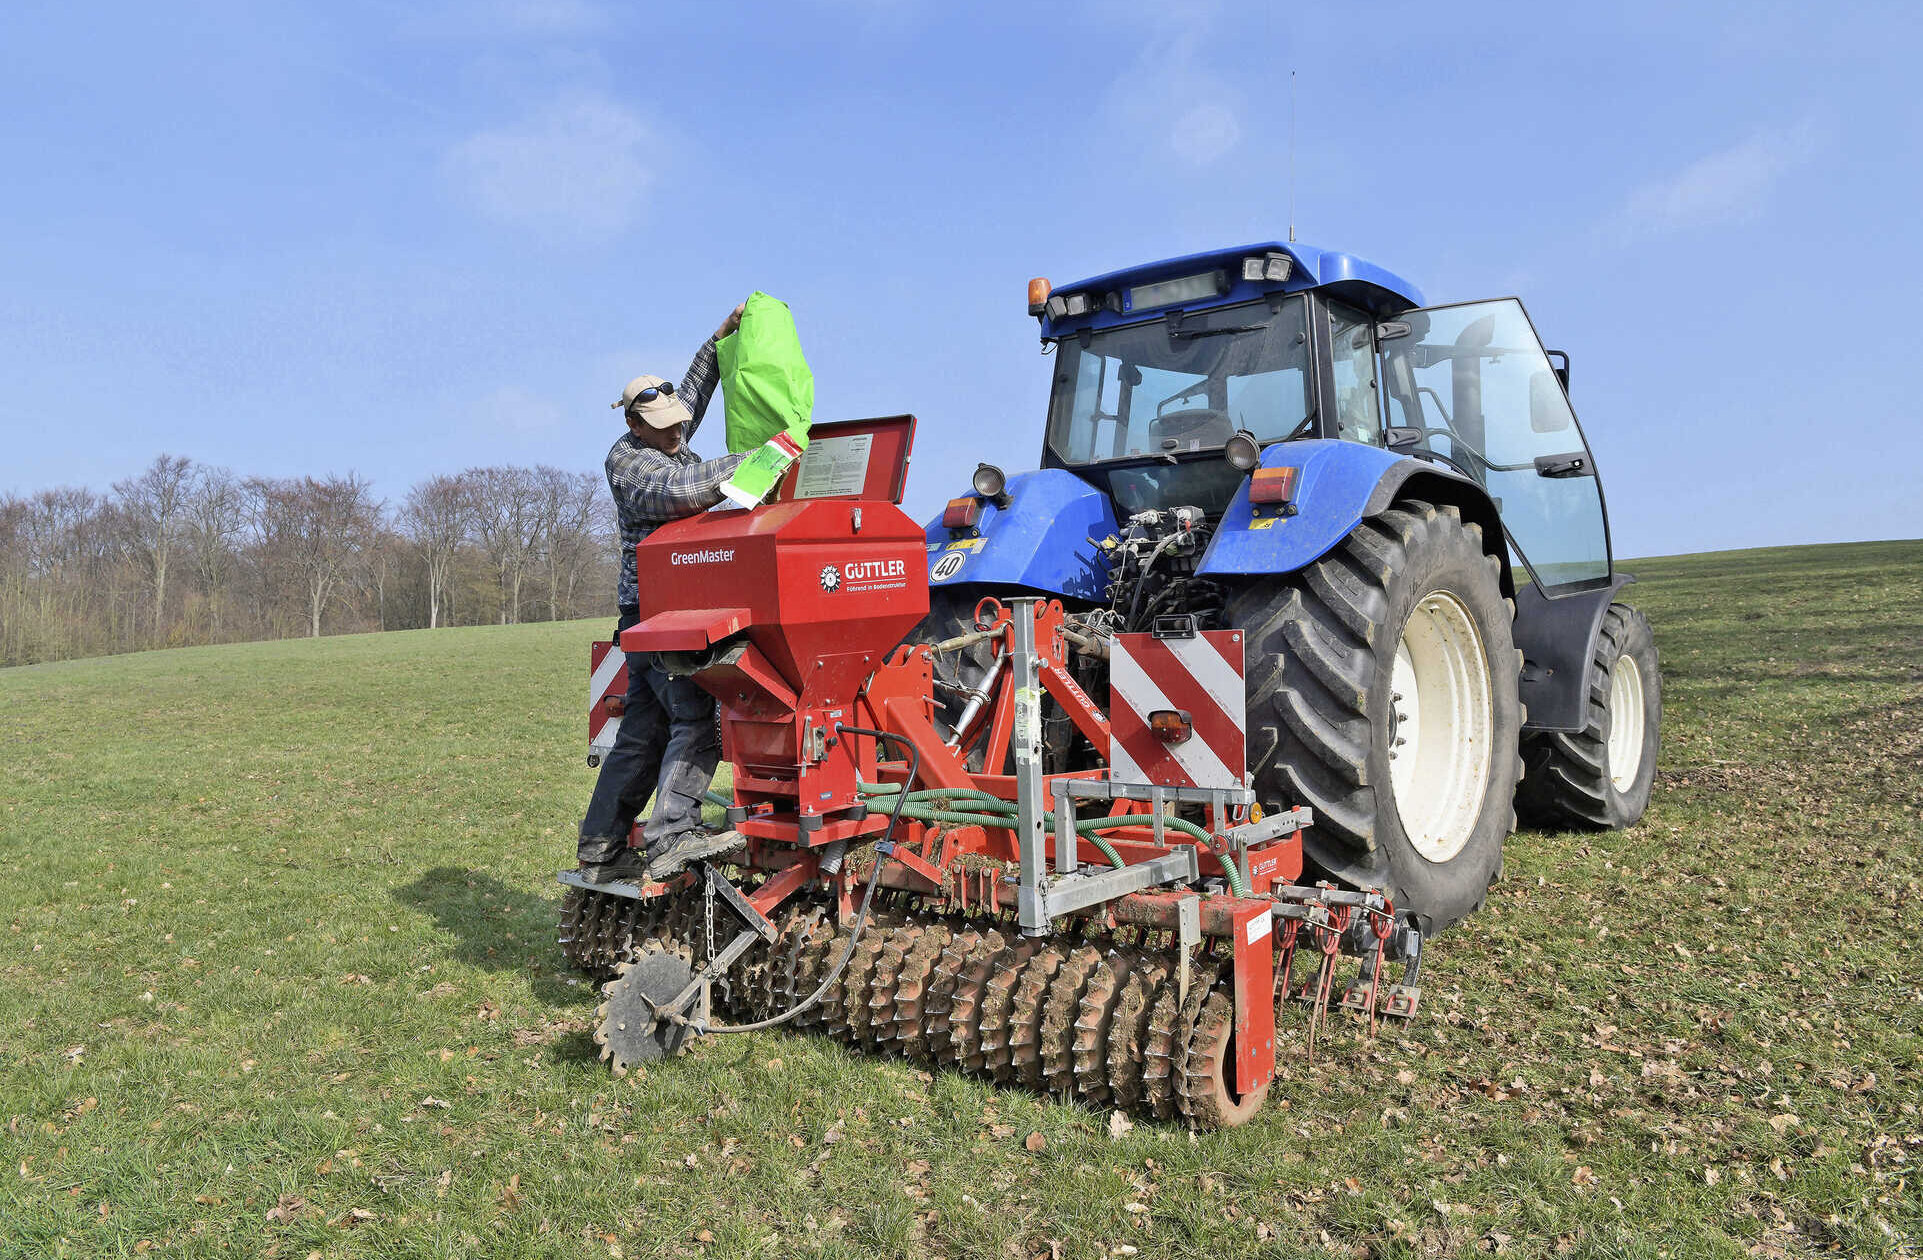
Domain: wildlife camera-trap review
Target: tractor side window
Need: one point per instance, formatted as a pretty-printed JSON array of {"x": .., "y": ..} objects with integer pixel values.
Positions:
[
  {"x": 1088, "y": 421},
  {"x": 1268, "y": 391},
  {"x": 1352, "y": 341},
  {"x": 1475, "y": 380}
]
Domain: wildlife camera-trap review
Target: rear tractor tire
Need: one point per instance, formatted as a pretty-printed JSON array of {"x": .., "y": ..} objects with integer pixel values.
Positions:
[
  {"x": 1599, "y": 778},
  {"x": 1383, "y": 694}
]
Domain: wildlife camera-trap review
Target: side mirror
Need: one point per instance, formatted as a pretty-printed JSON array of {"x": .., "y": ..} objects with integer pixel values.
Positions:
[
  {"x": 1562, "y": 368},
  {"x": 1548, "y": 409}
]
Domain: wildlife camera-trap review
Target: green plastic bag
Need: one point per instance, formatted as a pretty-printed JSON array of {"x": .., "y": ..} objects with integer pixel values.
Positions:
[{"x": 769, "y": 389}]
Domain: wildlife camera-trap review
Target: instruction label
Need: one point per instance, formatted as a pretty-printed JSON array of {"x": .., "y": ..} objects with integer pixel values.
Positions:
[{"x": 834, "y": 466}]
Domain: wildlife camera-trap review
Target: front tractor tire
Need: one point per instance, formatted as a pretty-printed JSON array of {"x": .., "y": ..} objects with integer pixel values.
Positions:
[
  {"x": 1383, "y": 694},
  {"x": 1598, "y": 778}
]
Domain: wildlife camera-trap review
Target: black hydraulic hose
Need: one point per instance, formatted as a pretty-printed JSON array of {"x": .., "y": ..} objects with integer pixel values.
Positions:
[
  {"x": 1135, "y": 604},
  {"x": 867, "y": 894},
  {"x": 847, "y": 951}
]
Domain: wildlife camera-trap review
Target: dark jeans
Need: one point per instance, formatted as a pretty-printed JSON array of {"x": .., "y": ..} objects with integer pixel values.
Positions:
[{"x": 668, "y": 746}]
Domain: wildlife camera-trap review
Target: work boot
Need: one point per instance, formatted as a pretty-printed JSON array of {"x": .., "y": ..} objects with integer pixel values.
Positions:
[
  {"x": 689, "y": 847},
  {"x": 626, "y": 865}
]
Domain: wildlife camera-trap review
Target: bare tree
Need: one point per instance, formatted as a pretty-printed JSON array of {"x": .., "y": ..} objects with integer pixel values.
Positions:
[
  {"x": 153, "y": 509},
  {"x": 582, "y": 541},
  {"x": 564, "y": 522},
  {"x": 315, "y": 528},
  {"x": 380, "y": 560},
  {"x": 82, "y": 573},
  {"x": 216, "y": 524},
  {"x": 15, "y": 585},
  {"x": 436, "y": 518},
  {"x": 504, "y": 504}
]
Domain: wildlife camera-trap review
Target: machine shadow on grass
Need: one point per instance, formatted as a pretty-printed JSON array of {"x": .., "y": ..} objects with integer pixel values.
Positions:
[{"x": 497, "y": 927}]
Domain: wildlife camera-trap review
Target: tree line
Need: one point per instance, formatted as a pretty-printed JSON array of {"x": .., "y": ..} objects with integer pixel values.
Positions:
[{"x": 188, "y": 553}]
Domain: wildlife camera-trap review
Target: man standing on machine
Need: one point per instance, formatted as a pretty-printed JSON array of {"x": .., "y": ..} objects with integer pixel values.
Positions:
[{"x": 669, "y": 741}]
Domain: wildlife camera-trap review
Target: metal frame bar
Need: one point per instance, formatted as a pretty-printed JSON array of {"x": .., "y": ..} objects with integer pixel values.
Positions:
[
  {"x": 1030, "y": 813},
  {"x": 1078, "y": 892}
]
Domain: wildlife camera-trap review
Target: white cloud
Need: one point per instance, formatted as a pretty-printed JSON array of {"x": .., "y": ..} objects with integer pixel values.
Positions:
[
  {"x": 1205, "y": 133},
  {"x": 1729, "y": 186},
  {"x": 580, "y": 169},
  {"x": 1170, "y": 92}
]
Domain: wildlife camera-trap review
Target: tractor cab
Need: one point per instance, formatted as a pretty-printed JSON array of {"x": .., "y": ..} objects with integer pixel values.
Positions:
[{"x": 1174, "y": 380}]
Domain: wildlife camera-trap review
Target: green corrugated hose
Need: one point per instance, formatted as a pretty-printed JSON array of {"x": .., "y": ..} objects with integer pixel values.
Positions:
[{"x": 882, "y": 797}]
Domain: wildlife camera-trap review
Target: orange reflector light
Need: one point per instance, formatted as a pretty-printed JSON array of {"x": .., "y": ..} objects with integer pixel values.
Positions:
[
  {"x": 1038, "y": 291},
  {"x": 1171, "y": 726},
  {"x": 961, "y": 513},
  {"x": 1272, "y": 485}
]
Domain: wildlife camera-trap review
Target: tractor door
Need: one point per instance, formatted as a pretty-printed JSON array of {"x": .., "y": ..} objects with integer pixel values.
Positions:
[{"x": 1471, "y": 387}]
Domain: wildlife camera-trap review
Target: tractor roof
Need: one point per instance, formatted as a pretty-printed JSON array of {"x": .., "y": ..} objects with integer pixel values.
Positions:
[{"x": 1343, "y": 276}]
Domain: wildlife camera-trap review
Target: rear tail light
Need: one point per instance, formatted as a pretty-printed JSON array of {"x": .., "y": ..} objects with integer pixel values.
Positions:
[
  {"x": 1171, "y": 726},
  {"x": 1272, "y": 485},
  {"x": 961, "y": 513}
]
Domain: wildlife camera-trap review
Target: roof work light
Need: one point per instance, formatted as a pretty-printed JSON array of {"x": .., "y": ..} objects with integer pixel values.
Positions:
[{"x": 1274, "y": 265}]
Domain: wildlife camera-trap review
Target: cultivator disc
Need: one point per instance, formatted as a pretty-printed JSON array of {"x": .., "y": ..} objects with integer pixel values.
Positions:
[{"x": 630, "y": 1026}]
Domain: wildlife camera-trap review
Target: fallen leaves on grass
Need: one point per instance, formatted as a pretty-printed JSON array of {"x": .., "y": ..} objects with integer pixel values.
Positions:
[{"x": 286, "y": 1211}]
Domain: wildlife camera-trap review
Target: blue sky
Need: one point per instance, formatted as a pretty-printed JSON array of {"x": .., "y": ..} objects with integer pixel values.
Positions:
[{"x": 404, "y": 239}]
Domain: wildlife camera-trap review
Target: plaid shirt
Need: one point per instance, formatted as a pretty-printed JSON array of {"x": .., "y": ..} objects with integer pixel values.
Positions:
[{"x": 654, "y": 487}]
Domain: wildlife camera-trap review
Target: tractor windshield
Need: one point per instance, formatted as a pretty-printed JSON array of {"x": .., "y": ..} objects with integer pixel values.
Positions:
[{"x": 1180, "y": 384}]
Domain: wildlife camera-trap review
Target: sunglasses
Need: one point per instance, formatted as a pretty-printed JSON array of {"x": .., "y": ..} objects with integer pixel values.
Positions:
[{"x": 652, "y": 392}]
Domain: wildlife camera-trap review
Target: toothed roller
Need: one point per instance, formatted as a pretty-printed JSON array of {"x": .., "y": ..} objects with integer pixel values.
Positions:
[
  {"x": 1055, "y": 1072},
  {"x": 876, "y": 1024},
  {"x": 1168, "y": 1100},
  {"x": 965, "y": 949},
  {"x": 1209, "y": 1099},
  {"x": 1022, "y": 1059},
  {"x": 909, "y": 1036},
  {"x": 987, "y": 1033}
]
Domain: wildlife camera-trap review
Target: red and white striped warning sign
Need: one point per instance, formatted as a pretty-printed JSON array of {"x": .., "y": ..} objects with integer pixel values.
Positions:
[
  {"x": 607, "y": 676},
  {"x": 1192, "y": 690}
]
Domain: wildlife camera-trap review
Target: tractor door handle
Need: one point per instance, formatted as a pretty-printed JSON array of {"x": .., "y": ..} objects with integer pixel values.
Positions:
[{"x": 1576, "y": 465}]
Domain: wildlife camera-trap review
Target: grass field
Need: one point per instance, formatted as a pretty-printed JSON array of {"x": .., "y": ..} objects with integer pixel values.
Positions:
[{"x": 278, "y": 977}]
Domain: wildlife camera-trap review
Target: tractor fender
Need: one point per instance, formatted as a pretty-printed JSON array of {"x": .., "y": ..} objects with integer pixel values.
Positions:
[
  {"x": 1042, "y": 540},
  {"x": 1340, "y": 485},
  {"x": 1557, "y": 637}
]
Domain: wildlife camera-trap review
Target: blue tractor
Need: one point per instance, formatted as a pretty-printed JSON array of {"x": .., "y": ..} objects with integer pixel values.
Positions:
[{"x": 1392, "y": 501}]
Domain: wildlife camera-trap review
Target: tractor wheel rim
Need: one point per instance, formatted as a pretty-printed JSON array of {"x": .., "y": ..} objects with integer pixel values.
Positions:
[
  {"x": 1444, "y": 716},
  {"x": 1625, "y": 722}
]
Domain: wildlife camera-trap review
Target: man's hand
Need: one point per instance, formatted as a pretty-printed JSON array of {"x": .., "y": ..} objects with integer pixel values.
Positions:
[{"x": 731, "y": 323}]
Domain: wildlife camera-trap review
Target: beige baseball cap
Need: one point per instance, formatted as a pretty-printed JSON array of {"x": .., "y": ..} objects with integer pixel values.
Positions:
[{"x": 661, "y": 411}]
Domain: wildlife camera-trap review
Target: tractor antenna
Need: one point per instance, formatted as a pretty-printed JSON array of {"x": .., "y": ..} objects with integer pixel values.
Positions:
[{"x": 1291, "y": 157}]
